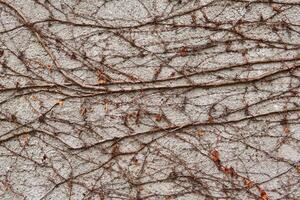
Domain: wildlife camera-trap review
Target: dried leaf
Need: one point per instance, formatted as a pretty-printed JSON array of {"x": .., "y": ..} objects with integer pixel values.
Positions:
[
  {"x": 60, "y": 102},
  {"x": 135, "y": 161},
  {"x": 200, "y": 132},
  {"x": 49, "y": 67},
  {"x": 34, "y": 98},
  {"x": 101, "y": 81},
  {"x": 106, "y": 105},
  {"x": 41, "y": 119},
  {"x": 298, "y": 170},
  {"x": 7, "y": 185},
  {"x": 230, "y": 171},
  {"x": 183, "y": 51},
  {"x": 158, "y": 117},
  {"x": 174, "y": 73},
  {"x": 168, "y": 198},
  {"x": 69, "y": 184},
  {"x": 73, "y": 56},
  {"x": 215, "y": 156},
  {"x": 102, "y": 78},
  {"x": 276, "y": 8},
  {"x": 25, "y": 139},
  {"x": 83, "y": 111},
  {"x": 132, "y": 78},
  {"x": 137, "y": 117},
  {"x": 248, "y": 183},
  {"x": 210, "y": 119},
  {"x": 286, "y": 129},
  {"x": 194, "y": 18},
  {"x": 13, "y": 118},
  {"x": 101, "y": 196},
  {"x": 115, "y": 150},
  {"x": 263, "y": 195}
]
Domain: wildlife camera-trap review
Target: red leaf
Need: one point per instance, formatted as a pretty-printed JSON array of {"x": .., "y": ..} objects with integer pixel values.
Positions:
[
  {"x": 158, "y": 117},
  {"x": 230, "y": 171},
  {"x": 215, "y": 156},
  {"x": 183, "y": 51}
]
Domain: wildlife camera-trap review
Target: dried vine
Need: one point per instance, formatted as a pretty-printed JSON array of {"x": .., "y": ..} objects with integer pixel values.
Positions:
[{"x": 154, "y": 99}]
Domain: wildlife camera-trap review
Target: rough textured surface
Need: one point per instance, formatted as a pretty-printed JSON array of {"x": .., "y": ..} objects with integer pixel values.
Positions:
[{"x": 134, "y": 99}]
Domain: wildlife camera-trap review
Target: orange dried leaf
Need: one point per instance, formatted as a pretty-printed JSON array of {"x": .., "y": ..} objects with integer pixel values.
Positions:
[
  {"x": 60, "y": 102},
  {"x": 298, "y": 169},
  {"x": 101, "y": 81},
  {"x": 102, "y": 77},
  {"x": 200, "y": 132},
  {"x": 286, "y": 129},
  {"x": 276, "y": 8},
  {"x": 83, "y": 111},
  {"x": 34, "y": 98},
  {"x": 249, "y": 184},
  {"x": 264, "y": 195}
]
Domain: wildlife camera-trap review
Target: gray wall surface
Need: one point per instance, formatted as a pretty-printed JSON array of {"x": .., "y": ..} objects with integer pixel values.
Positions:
[{"x": 149, "y": 99}]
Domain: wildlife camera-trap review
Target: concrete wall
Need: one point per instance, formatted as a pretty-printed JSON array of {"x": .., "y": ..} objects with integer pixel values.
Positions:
[{"x": 134, "y": 99}]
